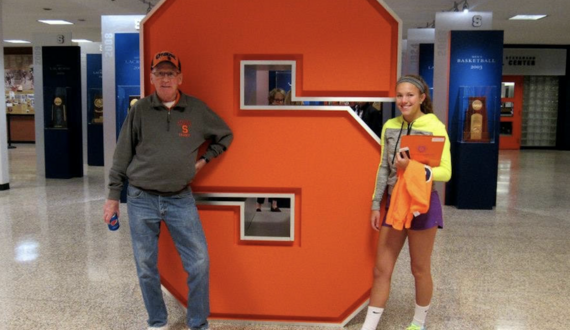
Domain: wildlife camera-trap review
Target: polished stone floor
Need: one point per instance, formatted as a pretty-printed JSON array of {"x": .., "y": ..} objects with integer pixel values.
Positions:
[{"x": 505, "y": 269}]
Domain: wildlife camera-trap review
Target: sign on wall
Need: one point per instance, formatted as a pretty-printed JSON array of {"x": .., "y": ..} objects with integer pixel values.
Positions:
[{"x": 534, "y": 62}]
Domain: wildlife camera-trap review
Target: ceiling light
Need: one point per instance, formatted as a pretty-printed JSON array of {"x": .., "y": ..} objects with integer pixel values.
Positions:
[
  {"x": 54, "y": 21},
  {"x": 465, "y": 7},
  {"x": 80, "y": 40},
  {"x": 527, "y": 17},
  {"x": 455, "y": 7},
  {"x": 16, "y": 41}
]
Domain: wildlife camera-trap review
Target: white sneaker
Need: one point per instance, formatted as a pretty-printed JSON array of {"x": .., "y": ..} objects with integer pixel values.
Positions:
[{"x": 164, "y": 327}]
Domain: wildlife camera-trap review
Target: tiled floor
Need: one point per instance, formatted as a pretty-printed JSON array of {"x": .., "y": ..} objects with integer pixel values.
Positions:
[{"x": 506, "y": 269}]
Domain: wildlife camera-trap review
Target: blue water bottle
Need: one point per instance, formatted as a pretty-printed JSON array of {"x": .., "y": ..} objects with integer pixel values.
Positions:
[{"x": 114, "y": 223}]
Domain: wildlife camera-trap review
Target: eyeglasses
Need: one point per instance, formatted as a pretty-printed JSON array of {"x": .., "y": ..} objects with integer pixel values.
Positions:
[
  {"x": 165, "y": 74},
  {"x": 278, "y": 100}
]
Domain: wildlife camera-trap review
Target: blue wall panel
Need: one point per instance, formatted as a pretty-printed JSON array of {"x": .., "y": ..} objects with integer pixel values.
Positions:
[{"x": 127, "y": 73}]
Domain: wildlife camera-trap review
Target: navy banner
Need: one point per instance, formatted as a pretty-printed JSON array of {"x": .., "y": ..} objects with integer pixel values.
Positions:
[
  {"x": 127, "y": 74},
  {"x": 474, "y": 116},
  {"x": 94, "y": 77}
]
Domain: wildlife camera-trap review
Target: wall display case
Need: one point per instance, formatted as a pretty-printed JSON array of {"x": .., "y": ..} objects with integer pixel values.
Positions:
[
  {"x": 96, "y": 106},
  {"x": 62, "y": 112},
  {"x": 20, "y": 116},
  {"x": 511, "y": 109},
  {"x": 20, "y": 102},
  {"x": 19, "y": 84},
  {"x": 127, "y": 95},
  {"x": 95, "y": 155},
  {"x": 475, "y": 73},
  {"x": 57, "y": 117},
  {"x": 132, "y": 100},
  {"x": 477, "y": 118}
]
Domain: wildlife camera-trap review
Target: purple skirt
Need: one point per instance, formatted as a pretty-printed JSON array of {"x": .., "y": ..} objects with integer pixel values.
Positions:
[{"x": 434, "y": 216}]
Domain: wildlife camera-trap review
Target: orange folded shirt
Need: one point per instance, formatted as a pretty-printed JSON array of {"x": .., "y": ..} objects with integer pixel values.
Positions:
[{"x": 410, "y": 197}]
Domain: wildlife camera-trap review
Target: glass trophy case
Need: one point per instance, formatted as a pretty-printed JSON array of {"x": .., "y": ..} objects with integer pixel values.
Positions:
[
  {"x": 95, "y": 106},
  {"x": 57, "y": 110},
  {"x": 132, "y": 100},
  {"x": 127, "y": 95},
  {"x": 477, "y": 114}
]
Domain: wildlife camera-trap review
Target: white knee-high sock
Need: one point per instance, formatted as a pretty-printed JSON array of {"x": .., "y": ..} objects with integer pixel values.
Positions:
[
  {"x": 420, "y": 315},
  {"x": 372, "y": 318}
]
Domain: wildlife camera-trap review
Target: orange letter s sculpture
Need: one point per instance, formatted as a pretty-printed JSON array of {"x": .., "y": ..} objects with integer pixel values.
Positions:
[{"x": 327, "y": 159}]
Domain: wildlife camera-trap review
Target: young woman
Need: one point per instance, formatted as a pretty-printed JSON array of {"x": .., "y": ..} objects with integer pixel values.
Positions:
[{"x": 413, "y": 101}]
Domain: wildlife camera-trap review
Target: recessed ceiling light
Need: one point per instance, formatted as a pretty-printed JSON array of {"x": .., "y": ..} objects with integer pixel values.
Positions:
[
  {"x": 54, "y": 21},
  {"x": 80, "y": 40},
  {"x": 16, "y": 41},
  {"x": 527, "y": 17}
]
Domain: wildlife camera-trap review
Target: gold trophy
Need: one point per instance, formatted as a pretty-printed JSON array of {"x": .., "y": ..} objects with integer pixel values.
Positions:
[
  {"x": 132, "y": 100},
  {"x": 58, "y": 113},
  {"x": 476, "y": 125},
  {"x": 98, "y": 110}
]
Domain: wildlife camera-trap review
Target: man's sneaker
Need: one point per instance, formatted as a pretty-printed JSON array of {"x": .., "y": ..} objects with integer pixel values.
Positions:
[
  {"x": 415, "y": 327},
  {"x": 164, "y": 327}
]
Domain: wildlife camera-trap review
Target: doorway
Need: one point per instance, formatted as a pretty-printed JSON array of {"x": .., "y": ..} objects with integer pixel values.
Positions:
[{"x": 511, "y": 112}]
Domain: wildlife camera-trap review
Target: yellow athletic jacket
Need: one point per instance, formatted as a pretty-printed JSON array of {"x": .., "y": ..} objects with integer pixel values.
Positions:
[{"x": 392, "y": 131}]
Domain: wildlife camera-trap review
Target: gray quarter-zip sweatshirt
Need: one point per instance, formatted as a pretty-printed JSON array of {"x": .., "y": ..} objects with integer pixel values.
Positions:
[{"x": 157, "y": 147}]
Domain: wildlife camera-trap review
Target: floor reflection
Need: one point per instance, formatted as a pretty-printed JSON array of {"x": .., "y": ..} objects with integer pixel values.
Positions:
[{"x": 502, "y": 269}]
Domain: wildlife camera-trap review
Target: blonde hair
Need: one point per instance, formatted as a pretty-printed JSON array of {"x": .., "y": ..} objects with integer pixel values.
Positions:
[{"x": 274, "y": 92}]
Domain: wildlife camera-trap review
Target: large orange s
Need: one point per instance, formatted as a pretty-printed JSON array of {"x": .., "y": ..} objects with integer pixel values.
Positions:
[{"x": 343, "y": 48}]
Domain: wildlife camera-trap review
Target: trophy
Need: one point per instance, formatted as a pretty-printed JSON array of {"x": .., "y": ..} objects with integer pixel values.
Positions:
[
  {"x": 98, "y": 110},
  {"x": 58, "y": 113},
  {"x": 132, "y": 100},
  {"x": 476, "y": 124}
]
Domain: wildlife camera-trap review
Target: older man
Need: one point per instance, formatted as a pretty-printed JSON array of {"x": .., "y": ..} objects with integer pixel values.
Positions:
[{"x": 157, "y": 152}]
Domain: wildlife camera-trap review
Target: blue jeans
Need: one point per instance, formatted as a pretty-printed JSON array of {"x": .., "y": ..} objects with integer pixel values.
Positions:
[{"x": 181, "y": 217}]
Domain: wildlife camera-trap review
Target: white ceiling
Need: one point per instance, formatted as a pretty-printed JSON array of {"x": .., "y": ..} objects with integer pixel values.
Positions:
[
  {"x": 19, "y": 17},
  {"x": 551, "y": 30}
]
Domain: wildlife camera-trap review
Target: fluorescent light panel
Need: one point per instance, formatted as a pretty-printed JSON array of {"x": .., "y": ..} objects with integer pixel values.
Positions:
[
  {"x": 80, "y": 40},
  {"x": 527, "y": 17},
  {"x": 15, "y": 41},
  {"x": 54, "y": 21}
]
